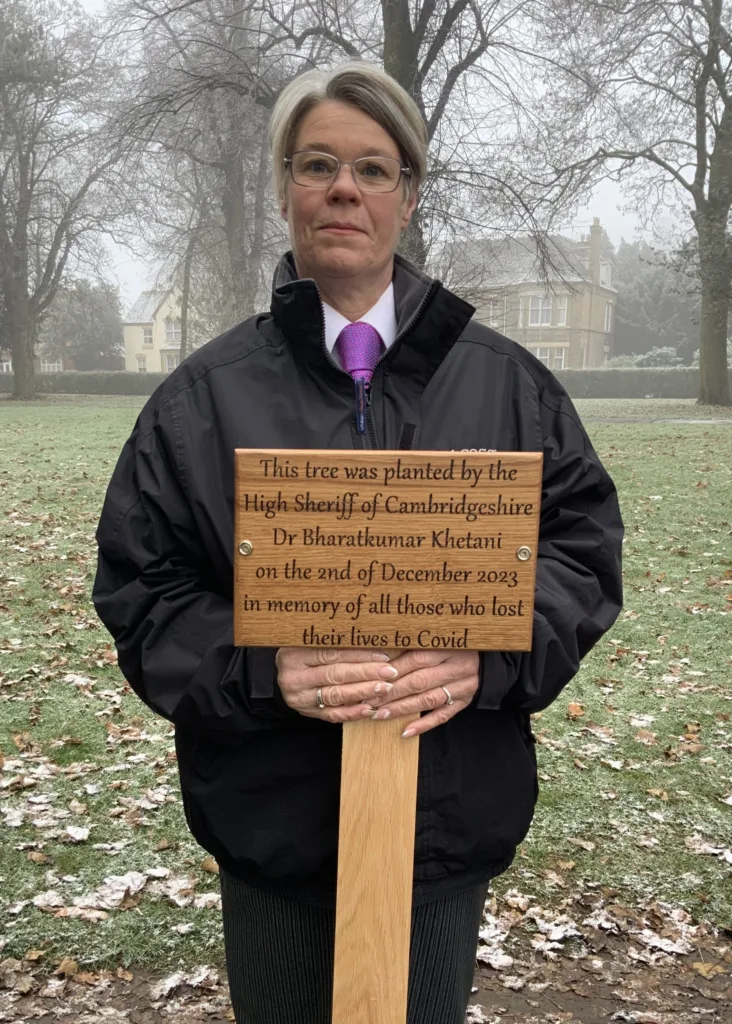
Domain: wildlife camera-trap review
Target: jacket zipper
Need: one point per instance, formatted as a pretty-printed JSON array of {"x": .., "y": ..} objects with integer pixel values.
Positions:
[{"x": 370, "y": 426}]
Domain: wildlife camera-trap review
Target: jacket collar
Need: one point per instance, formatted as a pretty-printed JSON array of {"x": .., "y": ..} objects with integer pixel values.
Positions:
[{"x": 430, "y": 319}]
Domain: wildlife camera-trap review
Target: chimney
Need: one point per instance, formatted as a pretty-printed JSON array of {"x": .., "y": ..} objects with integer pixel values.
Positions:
[{"x": 595, "y": 247}]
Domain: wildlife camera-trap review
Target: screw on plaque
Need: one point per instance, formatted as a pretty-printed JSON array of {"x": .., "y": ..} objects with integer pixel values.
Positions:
[
  {"x": 246, "y": 547},
  {"x": 523, "y": 553}
]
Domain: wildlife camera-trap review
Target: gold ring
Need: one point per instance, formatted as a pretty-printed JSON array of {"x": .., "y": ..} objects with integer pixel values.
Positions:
[
  {"x": 448, "y": 695},
  {"x": 319, "y": 697}
]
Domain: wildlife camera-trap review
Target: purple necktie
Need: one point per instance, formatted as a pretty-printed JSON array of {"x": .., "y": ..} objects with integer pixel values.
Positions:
[{"x": 359, "y": 347}]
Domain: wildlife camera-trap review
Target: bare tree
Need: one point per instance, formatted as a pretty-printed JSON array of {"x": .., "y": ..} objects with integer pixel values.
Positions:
[
  {"x": 649, "y": 99},
  {"x": 54, "y": 162},
  {"x": 202, "y": 100},
  {"x": 469, "y": 65}
]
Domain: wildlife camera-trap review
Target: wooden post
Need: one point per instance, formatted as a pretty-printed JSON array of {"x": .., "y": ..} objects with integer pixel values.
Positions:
[{"x": 375, "y": 868}]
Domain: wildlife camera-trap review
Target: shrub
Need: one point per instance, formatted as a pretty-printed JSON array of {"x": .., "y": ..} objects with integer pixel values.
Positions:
[
  {"x": 91, "y": 382},
  {"x": 632, "y": 382},
  {"x": 620, "y": 382}
]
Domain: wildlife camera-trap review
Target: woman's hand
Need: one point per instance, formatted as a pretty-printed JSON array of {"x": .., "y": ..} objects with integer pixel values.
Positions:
[
  {"x": 347, "y": 680},
  {"x": 419, "y": 687}
]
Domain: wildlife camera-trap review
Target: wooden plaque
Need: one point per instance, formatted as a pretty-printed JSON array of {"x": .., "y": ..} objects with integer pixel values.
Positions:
[{"x": 386, "y": 549}]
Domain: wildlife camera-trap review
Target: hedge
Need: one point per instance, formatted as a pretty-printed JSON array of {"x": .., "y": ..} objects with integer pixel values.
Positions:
[
  {"x": 633, "y": 382},
  {"x": 623, "y": 382},
  {"x": 91, "y": 382}
]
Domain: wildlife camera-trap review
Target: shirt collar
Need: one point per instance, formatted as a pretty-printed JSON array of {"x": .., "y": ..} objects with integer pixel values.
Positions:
[{"x": 382, "y": 316}]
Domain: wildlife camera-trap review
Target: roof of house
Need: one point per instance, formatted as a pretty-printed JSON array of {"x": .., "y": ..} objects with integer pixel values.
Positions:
[
  {"x": 143, "y": 310},
  {"x": 499, "y": 263}
]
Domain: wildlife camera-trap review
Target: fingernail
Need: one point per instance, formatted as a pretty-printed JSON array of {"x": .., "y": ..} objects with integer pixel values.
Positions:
[
  {"x": 381, "y": 714},
  {"x": 367, "y": 712},
  {"x": 388, "y": 672},
  {"x": 383, "y": 688},
  {"x": 407, "y": 733},
  {"x": 379, "y": 656}
]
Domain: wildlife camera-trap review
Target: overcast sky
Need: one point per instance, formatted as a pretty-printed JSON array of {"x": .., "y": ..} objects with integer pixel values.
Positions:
[{"x": 132, "y": 275}]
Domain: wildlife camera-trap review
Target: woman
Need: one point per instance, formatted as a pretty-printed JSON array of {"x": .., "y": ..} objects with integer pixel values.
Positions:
[{"x": 256, "y": 729}]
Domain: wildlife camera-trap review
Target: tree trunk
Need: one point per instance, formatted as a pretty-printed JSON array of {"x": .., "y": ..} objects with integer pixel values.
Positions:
[
  {"x": 401, "y": 61},
  {"x": 412, "y": 244},
  {"x": 186, "y": 295},
  {"x": 234, "y": 209},
  {"x": 715, "y": 265},
  {"x": 255, "y": 256},
  {"x": 22, "y": 332}
]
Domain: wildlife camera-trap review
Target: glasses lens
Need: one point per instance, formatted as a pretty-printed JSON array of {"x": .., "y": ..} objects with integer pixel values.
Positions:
[
  {"x": 377, "y": 173},
  {"x": 313, "y": 168}
]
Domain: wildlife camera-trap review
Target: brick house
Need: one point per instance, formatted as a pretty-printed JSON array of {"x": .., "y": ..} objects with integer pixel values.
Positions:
[{"x": 567, "y": 320}]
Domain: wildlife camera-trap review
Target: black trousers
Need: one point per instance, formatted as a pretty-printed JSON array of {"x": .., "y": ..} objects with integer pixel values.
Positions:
[{"x": 279, "y": 957}]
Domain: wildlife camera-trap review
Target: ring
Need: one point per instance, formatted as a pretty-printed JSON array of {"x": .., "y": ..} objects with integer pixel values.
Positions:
[
  {"x": 319, "y": 697},
  {"x": 448, "y": 695}
]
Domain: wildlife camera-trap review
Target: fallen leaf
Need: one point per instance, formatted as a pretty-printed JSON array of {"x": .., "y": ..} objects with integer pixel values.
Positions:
[
  {"x": 574, "y": 711},
  {"x": 584, "y": 843},
  {"x": 209, "y": 864},
  {"x": 708, "y": 970},
  {"x": 67, "y": 968}
]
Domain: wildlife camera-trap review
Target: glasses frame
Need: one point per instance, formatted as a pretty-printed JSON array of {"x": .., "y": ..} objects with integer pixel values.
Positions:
[{"x": 403, "y": 172}]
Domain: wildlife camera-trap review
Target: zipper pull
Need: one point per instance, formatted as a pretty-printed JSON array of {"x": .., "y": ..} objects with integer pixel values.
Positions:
[{"x": 361, "y": 403}]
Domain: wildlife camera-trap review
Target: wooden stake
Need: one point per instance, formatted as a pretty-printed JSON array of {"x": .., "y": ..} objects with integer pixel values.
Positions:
[{"x": 375, "y": 873}]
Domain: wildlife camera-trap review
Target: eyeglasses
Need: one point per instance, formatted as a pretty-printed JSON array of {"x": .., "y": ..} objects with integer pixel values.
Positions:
[{"x": 370, "y": 173}]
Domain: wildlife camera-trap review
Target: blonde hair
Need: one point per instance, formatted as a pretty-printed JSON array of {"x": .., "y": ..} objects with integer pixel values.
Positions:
[{"x": 363, "y": 85}]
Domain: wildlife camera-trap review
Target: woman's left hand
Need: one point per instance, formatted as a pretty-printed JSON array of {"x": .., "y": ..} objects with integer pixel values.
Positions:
[{"x": 419, "y": 687}]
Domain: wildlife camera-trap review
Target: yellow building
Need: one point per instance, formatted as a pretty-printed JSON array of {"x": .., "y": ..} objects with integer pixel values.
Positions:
[
  {"x": 152, "y": 333},
  {"x": 566, "y": 320}
]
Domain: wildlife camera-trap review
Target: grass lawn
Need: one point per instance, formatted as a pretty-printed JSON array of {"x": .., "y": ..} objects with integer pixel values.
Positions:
[{"x": 635, "y": 757}]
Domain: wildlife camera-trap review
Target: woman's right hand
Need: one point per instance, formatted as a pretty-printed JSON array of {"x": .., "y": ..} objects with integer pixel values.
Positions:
[{"x": 350, "y": 681}]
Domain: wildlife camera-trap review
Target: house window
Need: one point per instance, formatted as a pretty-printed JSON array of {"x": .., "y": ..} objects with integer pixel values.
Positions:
[
  {"x": 551, "y": 357},
  {"x": 540, "y": 310},
  {"x": 172, "y": 332},
  {"x": 606, "y": 273},
  {"x": 561, "y": 311},
  {"x": 608, "y": 317},
  {"x": 51, "y": 365},
  {"x": 147, "y": 336},
  {"x": 493, "y": 312},
  {"x": 171, "y": 361},
  {"x": 141, "y": 364},
  {"x": 6, "y": 365}
]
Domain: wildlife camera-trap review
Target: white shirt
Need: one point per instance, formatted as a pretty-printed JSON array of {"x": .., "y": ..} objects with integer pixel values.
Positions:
[{"x": 382, "y": 316}]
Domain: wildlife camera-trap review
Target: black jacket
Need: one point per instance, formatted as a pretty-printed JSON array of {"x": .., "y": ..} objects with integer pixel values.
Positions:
[{"x": 260, "y": 782}]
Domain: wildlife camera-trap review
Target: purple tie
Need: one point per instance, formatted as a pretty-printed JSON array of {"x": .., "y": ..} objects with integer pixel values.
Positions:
[{"x": 359, "y": 347}]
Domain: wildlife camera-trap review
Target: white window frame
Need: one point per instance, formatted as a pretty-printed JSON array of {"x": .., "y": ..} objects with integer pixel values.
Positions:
[
  {"x": 608, "y": 317},
  {"x": 558, "y": 363},
  {"x": 542, "y": 353},
  {"x": 493, "y": 311},
  {"x": 562, "y": 306},
  {"x": 540, "y": 311},
  {"x": 606, "y": 273},
  {"x": 147, "y": 337},
  {"x": 51, "y": 365},
  {"x": 142, "y": 364},
  {"x": 6, "y": 365},
  {"x": 172, "y": 332},
  {"x": 176, "y": 361}
]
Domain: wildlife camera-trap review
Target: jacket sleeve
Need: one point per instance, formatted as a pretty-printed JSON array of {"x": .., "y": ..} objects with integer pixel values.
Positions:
[
  {"x": 578, "y": 571},
  {"x": 174, "y": 635}
]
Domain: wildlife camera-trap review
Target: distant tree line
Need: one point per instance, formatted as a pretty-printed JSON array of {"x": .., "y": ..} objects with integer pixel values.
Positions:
[{"x": 149, "y": 125}]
